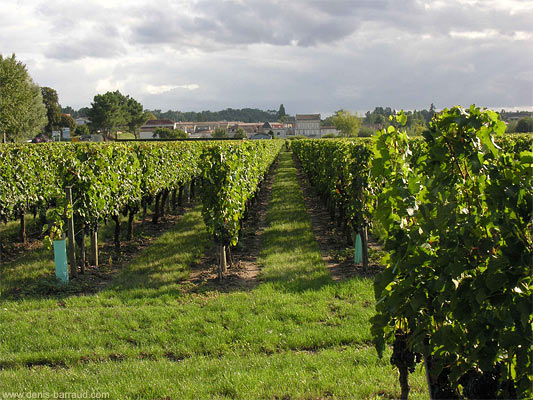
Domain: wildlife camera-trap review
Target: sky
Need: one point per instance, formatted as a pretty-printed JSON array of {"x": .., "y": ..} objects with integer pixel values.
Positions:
[{"x": 311, "y": 56}]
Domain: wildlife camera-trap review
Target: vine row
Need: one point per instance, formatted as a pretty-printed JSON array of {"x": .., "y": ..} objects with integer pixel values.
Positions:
[{"x": 455, "y": 215}]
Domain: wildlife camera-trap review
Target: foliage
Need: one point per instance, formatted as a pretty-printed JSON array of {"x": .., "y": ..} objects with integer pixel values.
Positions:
[
  {"x": 66, "y": 121},
  {"x": 28, "y": 176},
  {"x": 281, "y": 113},
  {"x": 457, "y": 211},
  {"x": 220, "y": 133},
  {"x": 339, "y": 169},
  {"x": 82, "y": 130},
  {"x": 524, "y": 125},
  {"x": 22, "y": 112},
  {"x": 167, "y": 133},
  {"x": 229, "y": 114},
  {"x": 135, "y": 116},
  {"x": 53, "y": 110},
  {"x": 107, "y": 112},
  {"x": 232, "y": 172},
  {"x": 346, "y": 122},
  {"x": 366, "y": 131},
  {"x": 111, "y": 110},
  {"x": 149, "y": 116},
  {"x": 240, "y": 134}
]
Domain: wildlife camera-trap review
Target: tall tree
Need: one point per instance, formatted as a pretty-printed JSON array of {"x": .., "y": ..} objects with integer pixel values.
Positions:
[
  {"x": 135, "y": 115},
  {"x": 107, "y": 113},
  {"x": 346, "y": 122},
  {"x": 22, "y": 112},
  {"x": 281, "y": 112},
  {"x": 53, "y": 109}
]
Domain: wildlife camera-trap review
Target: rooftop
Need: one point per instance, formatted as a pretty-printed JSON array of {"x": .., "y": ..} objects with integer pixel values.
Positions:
[{"x": 307, "y": 116}]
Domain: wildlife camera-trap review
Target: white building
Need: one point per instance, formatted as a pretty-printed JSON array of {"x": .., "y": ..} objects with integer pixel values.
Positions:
[
  {"x": 308, "y": 125},
  {"x": 328, "y": 130},
  {"x": 147, "y": 130}
]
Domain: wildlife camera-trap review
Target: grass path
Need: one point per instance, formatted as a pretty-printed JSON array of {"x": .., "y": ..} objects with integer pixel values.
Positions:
[{"x": 297, "y": 335}]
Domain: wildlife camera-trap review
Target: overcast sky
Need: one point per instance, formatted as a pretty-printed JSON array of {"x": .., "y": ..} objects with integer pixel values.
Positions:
[{"x": 312, "y": 56}]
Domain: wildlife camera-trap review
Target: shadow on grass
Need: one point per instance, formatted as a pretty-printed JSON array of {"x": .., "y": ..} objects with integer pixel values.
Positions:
[
  {"x": 160, "y": 269},
  {"x": 156, "y": 269}
]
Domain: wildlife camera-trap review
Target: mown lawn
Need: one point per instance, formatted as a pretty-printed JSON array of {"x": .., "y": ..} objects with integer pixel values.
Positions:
[{"x": 298, "y": 334}]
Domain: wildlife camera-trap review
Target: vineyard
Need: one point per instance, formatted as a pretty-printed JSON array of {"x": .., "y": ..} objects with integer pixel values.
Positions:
[
  {"x": 455, "y": 213},
  {"x": 451, "y": 307},
  {"x": 105, "y": 180}
]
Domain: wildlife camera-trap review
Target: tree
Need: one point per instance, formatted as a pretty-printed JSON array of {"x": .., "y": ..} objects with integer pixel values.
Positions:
[
  {"x": 82, "y": 130},
  {"x": 346, "y": 122},
  {"x": 81, "y": 113},
  {"x": 281, "y": 112},
  {"x": 167, "y": 133},
  {"x": 22, "y": 111},
  {"x": 107, "y": 113},
  {"x": 239, "y": 134},
  {"x": 53, "y": 109},
  {"x": 135, "y": 115},
  {"x": 220, "y": 133},
  {"x": 67, "y": 121},
  {"x": 327, "y": 121},
  {"x": 149, "y": 116},
  {"x": 524, "y": 125}
]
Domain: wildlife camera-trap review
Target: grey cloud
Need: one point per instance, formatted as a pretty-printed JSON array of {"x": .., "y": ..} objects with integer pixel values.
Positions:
[
  {"x": 228, "y": 23},
  {"x": 102, "y": 45},
  {"x": 349, "y": 54},
  {"x": 217, "y": 25}
]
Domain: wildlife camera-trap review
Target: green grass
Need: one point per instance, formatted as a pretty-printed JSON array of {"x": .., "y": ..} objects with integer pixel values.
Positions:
[{"x": 298, "y": 334}]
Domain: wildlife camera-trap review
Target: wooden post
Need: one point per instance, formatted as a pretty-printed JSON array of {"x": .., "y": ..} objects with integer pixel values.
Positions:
[
  {"x": 164, "y": 199},
  {"x": 364, "y": 240},
  {"x": 229, "y": 258},
  {"x": 22, "y": 232},
  {"x": 222, "y": 262},
  {"x": 70, "y": 228},
  {"x": 94, "y": 245},
  {"x": 82, "y": 250},
  {"x": 155, "y": 217},
  {"x": 192, "y": 189},
  {"x": 131, "y": 217}
]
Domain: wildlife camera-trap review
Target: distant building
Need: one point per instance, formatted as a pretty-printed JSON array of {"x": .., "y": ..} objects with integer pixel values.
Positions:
[
  {"x": 276, "y": 129},
  {"x": 82, "y": 121},
  {"x": 249, "y": 127},
  {"x": 328, "y": 130},
  {"x": 261, "y": 136},
  {"x": 308, "y": 125},
  {"x": 147, "y": 130}
]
